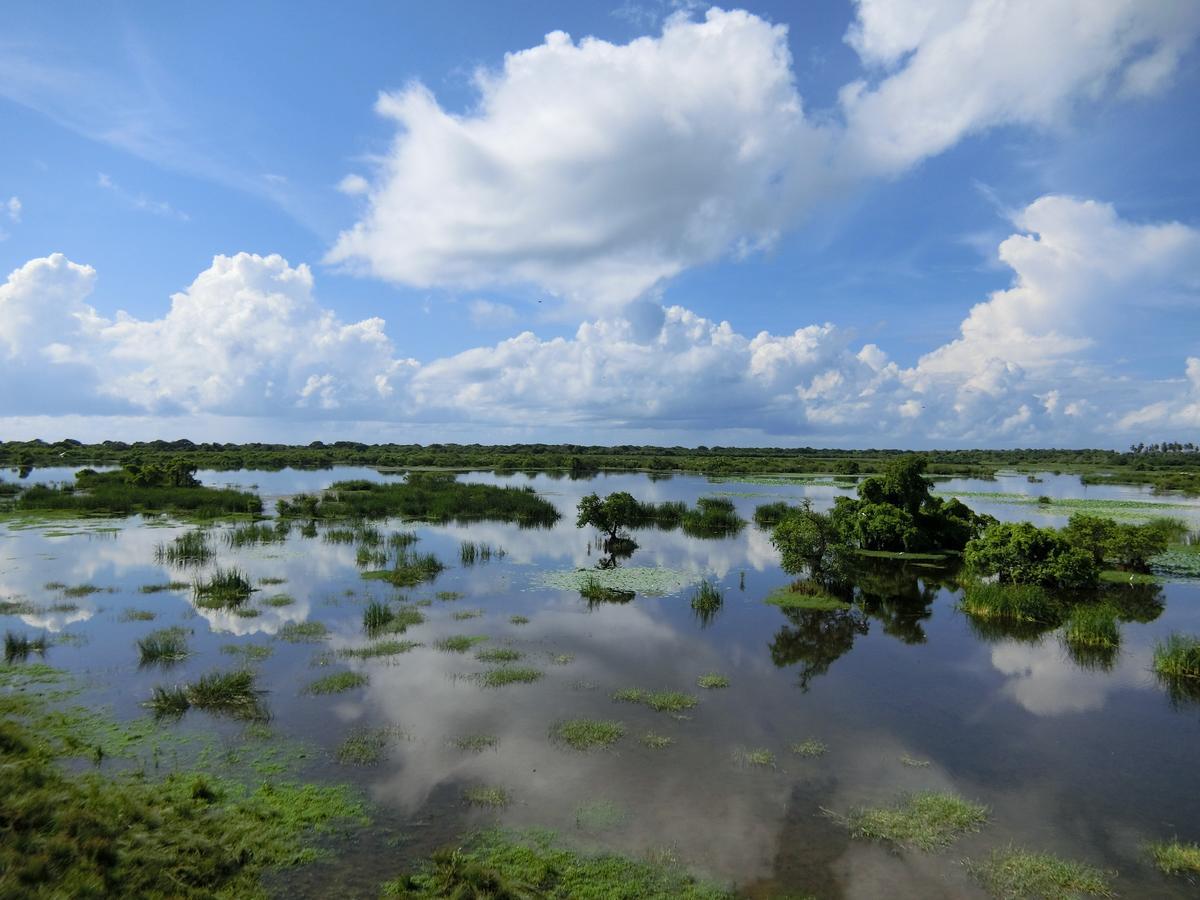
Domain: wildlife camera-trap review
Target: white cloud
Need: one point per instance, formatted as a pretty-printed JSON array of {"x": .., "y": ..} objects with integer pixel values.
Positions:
[
  {"x": 595, "y": 170},
  {"x": 354, "y": 185},
  {"x": 953, "y": 68},
  {"x": 489, "y": 314},
  {"x": 13, "y": 208}
]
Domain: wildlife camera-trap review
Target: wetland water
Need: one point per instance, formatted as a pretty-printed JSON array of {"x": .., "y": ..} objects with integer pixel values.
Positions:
[{"x": 1087, "y": 761}]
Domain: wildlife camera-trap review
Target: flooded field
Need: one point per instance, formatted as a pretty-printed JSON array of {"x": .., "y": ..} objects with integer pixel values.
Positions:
[{"x": 772, "y": 725}]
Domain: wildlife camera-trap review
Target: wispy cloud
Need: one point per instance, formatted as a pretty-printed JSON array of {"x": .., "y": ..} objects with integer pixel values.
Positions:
[{"x": 140, "y": 201}]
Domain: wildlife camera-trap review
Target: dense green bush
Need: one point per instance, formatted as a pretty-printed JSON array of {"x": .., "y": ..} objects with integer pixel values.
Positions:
[{"x": 1021, "y": 553}]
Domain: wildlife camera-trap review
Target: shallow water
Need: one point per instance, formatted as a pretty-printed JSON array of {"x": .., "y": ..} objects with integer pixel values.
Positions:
[{"x": 1088, "y": 763}]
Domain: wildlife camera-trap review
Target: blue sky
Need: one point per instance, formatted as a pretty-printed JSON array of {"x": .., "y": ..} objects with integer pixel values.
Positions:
[{"x": 901, "y": 223}]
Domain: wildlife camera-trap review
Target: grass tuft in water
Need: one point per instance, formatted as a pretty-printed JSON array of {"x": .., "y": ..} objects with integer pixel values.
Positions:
[
  {"x": 19, "y": 646},
  {"x": 474, "y": 743},
  {"x": 600, "y": 815},
  {"x": 337, "y": 683},
  {"x": 249, "y": 652},
  {"x": 499, "y": 655},
  {"x": 449, "y": 596},
  {"x": 166, "y": 586},
  {"x": 81, "y": 590},
  {"x": 656, "y": 741},
  {"x": 804, "y": 594},
  {"x": 364, "y": 746},
  {"x": 225, "y": 589},
  {"x": 503, "y": 675},
  {"x": 228, "y": 693},
  {"x": 660, "y": 701},
  {"x": 810, "y": 748},
  {"x": 303, "y": 632},
  {"x": 278, "y": 600},
  {"x": 463, "y": 614},
  {"x": 489, "y": 797},
  {"x": 926, "y": 820},
  {"x": 519, "y": 620},
  {"x": 459, "y": 643},
  {"x": 759, "y": 757},
  {"x": 1178, "y": 656},
  {"x": 1010, "y": 602},
  {"x": 712, "y": 680},
  {"x": 1092, "y": 625},
  {"x": 1175, "y": 857},
  {"x": 707, "y": 599},
  {"x": 1019, "y": 873},
  {"x": 587, "y": 734},
  {"x": 912, "y": 763},
  {"x": 166, "y": 645},
  {"x": 188, "y": 549},
  {"x": 138, "y": 615},
  {"x": 378, "y": 649}
]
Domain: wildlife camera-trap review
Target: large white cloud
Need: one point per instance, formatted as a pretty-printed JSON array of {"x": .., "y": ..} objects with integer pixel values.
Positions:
[
  {"x": 595, "y": 170},
  {"x": 1034, "y": 364}
]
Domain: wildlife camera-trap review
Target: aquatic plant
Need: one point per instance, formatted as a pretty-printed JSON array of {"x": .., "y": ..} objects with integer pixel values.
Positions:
[
  {"x": 377, "y": 616},
  {"x": 255, "y": 533},
  {"x": 1012, "y": 602},
  {"x": 224, "y": 589},
  {"x": 166, "y": 645},
  {"x": 759, "y": 757},
  {"x": 504, "y": 675},
  {"x": 594, "y": 591},
  {"x": 1020, "y": 873},
  {"x": 912, "y": 763},
  {"x": 562, "y": 659},
  {"x": 81, "y": 590},
  {"x": 474, "y": 743},
  {"x": 519, "y": 620},
  {"x": 363, "y": 746},
  {"x": 805, "y": 594},
  {"x": 925, "y": 820},
  {"x": 378, "y": 649},
  {"x": 249, "y": 652},
  {"x": 271, "y": 580},
  {"x": 587, "y": 734},
  {"x": 600, "y": 815},
  {"x": 1092, "y": 625},
  {"x": 230, "y": 693},
  {"x": 768, "y": 515},
  {"x": 408, "y": 570},
  {"x": 1178, "y": 656},
  {"x": 19, "y": 646},
  {"x": 459, "y": 643},
  {"x": 499, "y": 655},
  {"x": 470, "y": 552},
  {"x": 302, "y": 632},
  {"x": 1175, "y": 857},
  {"x": 449, "y": 596},
  {"x": 120, "y": 493},
  {"x": 461, "y": 615},
  {"x": 655, "y": 741},
  {"x": 660, "y": 701},
  {"x": 712, "y": 680},
  {"x": 278, "y": 600},
  {"x": 810, "y": 748},
  {"x": 646, "y": 580},
  {"x": 337, "y": 683},
  {"x": 130, "y": 614},
  {"x": 706, "y": 600},
  {"x": 491, "y": 797},
  {"x": 166, "y": 586}
]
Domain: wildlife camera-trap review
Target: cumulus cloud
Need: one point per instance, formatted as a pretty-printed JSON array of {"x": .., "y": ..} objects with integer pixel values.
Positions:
[
  {"x": 1032, "y": 364},
  {"x": 596, "y": 170}
]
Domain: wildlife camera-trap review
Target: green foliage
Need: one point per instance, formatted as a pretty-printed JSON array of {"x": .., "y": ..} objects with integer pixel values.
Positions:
[
  {"x": 1178, "y": 656},
  {"x": 133, "y": 490},
  {"x": 378, "y": 649},
  {"x": 587, "y": 734},
  {"x": 337, "y": 683},
  {"x": 768, "y": 515},
  {"x": 656, "y": 741},
  {"x": 490, "y": 797},
  {"x": 459, "y": 643},
  {"x": 660, "y": 701},
  {"x": 712, "y": 680},
  {"x": 1015, "y": 873},
  {"x": 926, "y": 820},
  {"x": 810, "y": 748},
  {"x": 707, "y": 600},
  {"x": 806, "y": 539},
  {"x": 408, "y": 570},
  {"x": 363, "y": 746},
  {"x": 1175, "y": 857},
  {"x": 504, "y": 675},
  {"x": 302, "y": 632},
  {"x": 499, "y": 655},
  {"x": 759, "y": 757},
  {"x": 1122, "y": 545},
  {"x": 1092, "y": 625},
  {"x": 225, "y": 588},
  {"x": 188, "y": 549},
  {"x": 228, "y": 693},
  {"x": 19, "y": 646},
  {"x": 1021, "y": 553},
  {"x": 804, "y": 594},
  {"x": 621, "y": 512},
  {"x": 1010, "y": 602},
  {"x": 166, "y": 645}
]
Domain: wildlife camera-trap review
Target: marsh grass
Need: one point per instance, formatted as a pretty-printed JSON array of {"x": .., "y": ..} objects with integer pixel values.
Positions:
[
  {"x": 926, "y": 820},
  {"x": 1175, "y": 857},
  {"x": 587, "y": 734},
  {"x": 656, "y": 741},
  {"x": 459, "y": 643},
  {"x": 474, "y": 743},
  {"x": 337, "y": 683},
  {"x": 488, "y": 797},
  {"x": 256, "y": 533},
  {"x": 1178, "y": 656},
  {"x": 224, "y": 589},
  {"x": 81, "y": 590},
  {"x": 167, "y": 586},
  {"x": 464, "y": 614},
  {"x": 519, "y": 620},
  {"x": 449, "y": 596},
  {"x": 562, "y": 659},
  {"x": 470, "y": 553},
  {"x": 378, "y": 649},
  {"x": 138, "y": 615},
  {"x": 594, "y": 591},
  {"x": 505, "y": 675},
  {"x": 712, "y": 680},
  {"x": 166, "y": 645},
  {"x": 188, "y": 549},
  {"x": 810, "y": 748},
  {"x": 408, "y": 570},
  {"x": 499, "y": 655},
  {"x": 756, "y": 758},
  {"x": 1021, "y": 873},
  {"x": 271, "y": 580},
  {"x": 1092, "y": 626},
  {"x": 660, "y": 701},
  {"x": 363, "y": 746},
  {"x": 913, "y": 763},
  {"x": 19, "y": 646},
  {"x": 706, "y": 599},
  {"x": 250, "y": 653},
  {"x": 1010, "y": 602},
  {"x": 226, "y": 693},
  {"x": 302, "y": 632},
  {"x": 804, "y": 594},
  {"x": 377, "y": 616},
  {"x": 278, "y": 600}
]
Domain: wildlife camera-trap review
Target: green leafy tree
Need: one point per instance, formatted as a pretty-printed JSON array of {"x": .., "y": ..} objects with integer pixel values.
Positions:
[
  {"x": 1021, "y": 553},
  {"x": 805, "y": 538},
  {"x": 613, "y": 515}
]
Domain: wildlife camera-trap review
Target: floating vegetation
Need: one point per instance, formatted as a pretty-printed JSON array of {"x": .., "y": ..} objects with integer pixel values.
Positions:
[
  {"x": 1175, "y": 857},
  {"x": 408, "y": 570},
  {"x": 504, "y": 675},
  {"x": 337, "y": 683},
  {"x": 166, "y": 645},
  {"x": 1019, "y": 873},
  {"x": 16, "y": 608},
  {"x": 760, "y": 758},
  {"x": 188, "y": 549},
  {"x": 656, "y": 741},
  {"x": 804, "y": 594},
  {"x": 587, "y": 734},
  {"x": 810, "y": 748},
  {"x": 225, "y": 589},
  {"x": 1180, "y": 562},
  {"x": 378, "y": 649},
  {"x": 530, "y": 864},
  {"x": 490, "y": 797},
  {"x": 138, "y": 615},
  {"x": 463, "y": 614},
  {"x": 54, "y": 585},
  {"x": 499, "y": 655},
  {"x": 926, "y": 820},
  {"x": 228, "y": 693},
  {"x": 475, "y": 743},
  {"x": 712, "y": 680},
  {"x": 594, "y": 591},
  {"x": 302, "y": 632},
  {"x": 519, "y": 620},
  {"x": 660, "y": 701},
  {"x": 459, "y": 643},
  {"x": 249, "y": 652},
  {"x": 377, "y": 616},
  {"x": 600, "y": 815},
  {"x": 646, "y": 580},
  {"x": 19, "y": 646},
  {"x": 279, "y": 600}
]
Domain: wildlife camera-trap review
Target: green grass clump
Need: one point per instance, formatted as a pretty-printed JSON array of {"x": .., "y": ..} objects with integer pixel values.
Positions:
[
  {"x": 459, "y": 643},
  {"x": 810, "y": 748},
  {"x": 81, "y": 590},
  {"x": 363, "y": 746},
  {"x": 656, "y": 741},
  {"x": 712, "y": 680},
  {"x": 249, "y": 652},
  {"x": 188, "y": 549},
  {"x": 805, "y": 594},
  {"x": 464, "y": 614},
  {"x": 303, "y": 632},
  {"x": 271, "y": 580},
  {"x": 166, "y": 586},
  {"x": 449, "y": 596},
  {"x": 519, "y": 620},
  {"x": 377, "y": 616},
  {"x": 1019, "y": 873},
  {"x": 19, "y": 646},
  {"x": 706, "y": 598},
  {"x": 587, "y": 734},
  {"x": 562, "y": 659},
  {"x": 499, "y": 655},
  {"x": 660, "y": 701},
  {"x": 337, "y": 683},
  {"x": 1010, "y": 602},
  {"x": 926, "y": 820},
  {"x": 138, "y": 615},
  {"x": 490, "y": 797},
  {"x": 1178, "y": 656},
  {"x": 408, "y": 570},
  {"x": 504, "y": 864},
  {"x": 166, "y": 645},
  {"x": 378, "y": 649},
  {"x": 227, "y": 693},
  {"x": 256, "y": 533},
  {"x": 760, "y": 757},
  {"x": 474, "y": 743},
  {"x": 594, "y": 591},
  {"x": 279, "y": 600},
  {"x": 1092, "y": 625},
  {"x": 1175, "y": 857},
  {"x": 225, "y": 589},
  {"x": 502, "y": 675}
]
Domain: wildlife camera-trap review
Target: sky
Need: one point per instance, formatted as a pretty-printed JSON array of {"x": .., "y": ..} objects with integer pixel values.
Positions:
[{"x": 879, "y": 223}]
